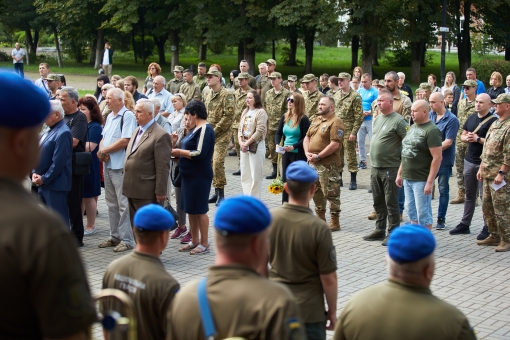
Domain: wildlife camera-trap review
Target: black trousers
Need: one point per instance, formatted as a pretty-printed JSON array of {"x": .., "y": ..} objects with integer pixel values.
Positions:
[
  {"x": 74, "y": 205},
  {"x": 287, "y": 158}
]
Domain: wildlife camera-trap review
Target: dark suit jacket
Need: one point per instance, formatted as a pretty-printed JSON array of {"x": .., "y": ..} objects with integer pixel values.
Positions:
[
  {"x": 55, "y": 165},
  {"x": 137, "y": 96},
  {"x": 110, "y": 56},
  {"x": 146, "y": 168}
]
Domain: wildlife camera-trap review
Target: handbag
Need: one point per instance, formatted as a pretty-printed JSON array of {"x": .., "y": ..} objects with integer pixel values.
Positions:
[
  {"x": 174, "y": 213},
  {"x": 253, "y": 147},
  {"x": 175, "y": 175}
]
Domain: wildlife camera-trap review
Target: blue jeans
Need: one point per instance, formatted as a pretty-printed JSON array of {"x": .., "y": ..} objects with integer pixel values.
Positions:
[
  {"x": 401, "y": 199},
  {"x": 418, "y": 205},
  {"x": 364, "y": 130},
  {"x": 18, "y": 68},
  {"x": 443, "y": 176}
]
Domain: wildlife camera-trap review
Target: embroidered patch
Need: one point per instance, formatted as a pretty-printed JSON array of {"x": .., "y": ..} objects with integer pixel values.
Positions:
[
  {"x": 323, "y": 128},
  {"x": 340, "y": 133},
  {"x": 332, "y": 253}
]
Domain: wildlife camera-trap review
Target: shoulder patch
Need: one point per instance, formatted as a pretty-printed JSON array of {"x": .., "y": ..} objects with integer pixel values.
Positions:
[
  {"x": 340, "y": 133},
  {"x": 332, "y": 253},
  {"x": 294, "y": 330}
]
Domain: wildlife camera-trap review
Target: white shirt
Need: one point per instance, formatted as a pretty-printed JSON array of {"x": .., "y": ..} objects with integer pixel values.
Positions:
[{"x": 106, "y": 57}]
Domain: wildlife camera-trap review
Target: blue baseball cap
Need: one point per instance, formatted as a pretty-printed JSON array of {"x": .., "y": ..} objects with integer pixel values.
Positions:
[
  {"x": 410, "y": 243},
  {"x": 300, "y": 171},
  {"x": 241, "y": 215},
  {"x": 24, "y": 104},
  {"x": 153, "y": 217}
]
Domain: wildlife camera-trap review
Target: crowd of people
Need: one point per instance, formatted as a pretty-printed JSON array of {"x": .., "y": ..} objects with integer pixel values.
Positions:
[{"x": 176, "y": 136}]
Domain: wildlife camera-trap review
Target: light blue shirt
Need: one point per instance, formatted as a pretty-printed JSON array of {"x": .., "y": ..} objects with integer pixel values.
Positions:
[
  {"x": 367, "y": 98},
  {"x": 43, "y": 85},
  {"x": 164, "y": 123},
  {"x": 112, "y": 133},
  {"x": 164, "y": 98},
  {"x": 176, "y": 119},
  {"x": 18, "y": 54}
]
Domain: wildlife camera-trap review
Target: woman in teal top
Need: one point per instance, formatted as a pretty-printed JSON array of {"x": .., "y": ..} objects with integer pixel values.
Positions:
[{"x": 291, "y": 132}]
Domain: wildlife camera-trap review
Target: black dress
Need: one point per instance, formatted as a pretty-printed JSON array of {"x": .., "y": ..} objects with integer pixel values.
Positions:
[{"x": 196, "y": 173}]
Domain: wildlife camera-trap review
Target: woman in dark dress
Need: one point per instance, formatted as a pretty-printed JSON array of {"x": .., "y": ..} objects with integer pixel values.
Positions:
[
  {"x": 101, "y": 80},
  {"x": 92, "y": 181},
  {"x": 195, "y": 167},
  {"x": 495, "y": 82},
  {"x": 292, "y": 128}
]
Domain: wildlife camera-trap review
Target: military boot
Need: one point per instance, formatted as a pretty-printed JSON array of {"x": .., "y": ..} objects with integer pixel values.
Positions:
[
  {"x": 372, "y": 216},
  {"x": 321, "y": 214},
  {"x": 214, "y": 197},
  {"x": 503, "y": 246},
  {"x": 376, "y": 235},
  {"x": 353, "y": 185},
  {"x": 334, "y": 223},
  {"x": 341, "y": 181},
  {"x": 273, "y": 174},
  {"x": 492, "y": 240},
  {"x": 461, "y": 197},
  {"x": 221, "y": 196}
]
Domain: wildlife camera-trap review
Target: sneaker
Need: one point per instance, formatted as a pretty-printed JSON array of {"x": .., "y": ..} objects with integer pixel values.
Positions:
[
  {"x": 186, "y": 239},
  {"x": 362, "y": 165},
  {"x": 440, "y": 224},
  {"x": 484, "y": 233},
  {"x": 460, "y": 229},
  {"x": 108, "y": 243},
  {"x": 122, "y": 247},
  {"x": 89, "y": 232},
  {"x": 179, "y": 233}
]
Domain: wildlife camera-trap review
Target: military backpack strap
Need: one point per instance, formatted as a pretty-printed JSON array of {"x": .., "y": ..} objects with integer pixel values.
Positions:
[
  {"x": 483, "y": 122},
  {"x": 205, "y": 310}
]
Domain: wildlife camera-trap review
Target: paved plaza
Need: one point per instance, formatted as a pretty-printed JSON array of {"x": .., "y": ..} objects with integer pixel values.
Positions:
[{"x": 475, "y": 279}]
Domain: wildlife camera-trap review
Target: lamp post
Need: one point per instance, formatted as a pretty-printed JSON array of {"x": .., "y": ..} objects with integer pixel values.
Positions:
[{"x": 443, "y": 30}]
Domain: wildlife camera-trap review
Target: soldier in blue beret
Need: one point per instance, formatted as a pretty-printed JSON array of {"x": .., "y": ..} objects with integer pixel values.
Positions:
[{"x": 404, "y": 307}]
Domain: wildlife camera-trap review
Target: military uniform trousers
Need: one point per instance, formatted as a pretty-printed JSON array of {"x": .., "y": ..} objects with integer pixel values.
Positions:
[
  {"x": 385, "y": 195},
  {"x": 218, "y": 162},
  {"x": 328, "y": 188},
  {"x": 271, "y": 146},
  {"x": 460, "y": 154},
  {"x": 350, "y": 150},
  {"x": 496, "y": 209}
]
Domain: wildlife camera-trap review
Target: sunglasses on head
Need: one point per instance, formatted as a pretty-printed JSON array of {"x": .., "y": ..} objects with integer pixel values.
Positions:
[{"x": 290, "y": 100}]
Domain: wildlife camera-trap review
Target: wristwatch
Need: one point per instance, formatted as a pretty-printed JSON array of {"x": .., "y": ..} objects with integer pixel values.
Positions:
[
  {"x": 317, "y": 156},
  {"x": 501, "y": 172},
  {"x": 478, "y": 140}
]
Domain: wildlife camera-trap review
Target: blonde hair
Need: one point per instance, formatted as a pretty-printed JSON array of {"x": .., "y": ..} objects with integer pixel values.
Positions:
[
  {"x": 129, "y": 101},
  {"x": 181, "y": 97},
  {"x": 499, "y": 78}
]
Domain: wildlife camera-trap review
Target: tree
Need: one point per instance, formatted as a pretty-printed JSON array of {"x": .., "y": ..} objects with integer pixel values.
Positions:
[{"x": 496, "y": 23}]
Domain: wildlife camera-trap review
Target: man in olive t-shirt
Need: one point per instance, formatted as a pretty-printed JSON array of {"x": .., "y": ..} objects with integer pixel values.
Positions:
[
  {"x": 301, "y": 252},
  {"x": 421, "y": 158}
]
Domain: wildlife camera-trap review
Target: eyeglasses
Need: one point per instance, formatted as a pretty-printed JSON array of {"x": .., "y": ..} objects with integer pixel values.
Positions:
[{"x": 290, "y": 100}]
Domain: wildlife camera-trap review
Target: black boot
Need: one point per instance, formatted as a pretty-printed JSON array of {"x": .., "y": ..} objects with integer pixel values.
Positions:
[
  {"x": 221, "y": 196},
  {"x": 273, "y": 174},
  {"x": 484, "y": 233},
  {"x": 341, "y": 181},
  {"x": 353, "y": 185},
  {"x": 214, "y": 196},
  {"x": 237, "y": 173}
]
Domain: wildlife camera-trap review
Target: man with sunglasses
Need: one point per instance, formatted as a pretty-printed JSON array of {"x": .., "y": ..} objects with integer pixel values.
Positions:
[{"x": 465, "y": 109}]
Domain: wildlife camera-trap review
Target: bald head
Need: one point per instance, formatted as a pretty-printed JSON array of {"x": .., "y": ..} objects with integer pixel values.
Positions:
[
  {"x": 483, "y": 104},
  {"x": 436, "y": 101},
  {"x": 420, "y": 111}
]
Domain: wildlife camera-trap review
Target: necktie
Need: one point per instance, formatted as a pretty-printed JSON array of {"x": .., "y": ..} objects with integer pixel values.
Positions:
[{"x": 137, "y": 139}]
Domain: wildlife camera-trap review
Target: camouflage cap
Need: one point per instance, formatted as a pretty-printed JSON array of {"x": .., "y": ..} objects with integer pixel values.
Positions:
[
  {"x": 271, "y": 61},
  {"x": 308, "y": 78},
  {"x": 275, "y": 75},
  {"x": 381, "y": 83},
  {"x": 344, "y": 75},
  {"x": 214, "y": 72},
  {"x": 52, "y": 76},
  {"x": 292, "y": 78},
  {"x": 470, "y": 82},
  {"x": 502, "y": 98},
  {"x": 243, "y": 75},
  {"x": 425, "y": 87},
  {"x": 178, "y": 68}
]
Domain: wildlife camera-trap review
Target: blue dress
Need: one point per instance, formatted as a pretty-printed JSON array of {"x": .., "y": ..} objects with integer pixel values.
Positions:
[
  {"x": 92, "y": 181},
  {"x": 196, "y": 173}
]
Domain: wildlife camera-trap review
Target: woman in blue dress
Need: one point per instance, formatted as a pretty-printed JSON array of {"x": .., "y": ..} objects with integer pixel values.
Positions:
[
  {"x": 91, "y": 182},
  {"x": 195, "y": 167}
]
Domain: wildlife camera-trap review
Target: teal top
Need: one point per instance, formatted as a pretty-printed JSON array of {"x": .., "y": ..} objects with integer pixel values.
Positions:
[{"x": 291, "y": 134}]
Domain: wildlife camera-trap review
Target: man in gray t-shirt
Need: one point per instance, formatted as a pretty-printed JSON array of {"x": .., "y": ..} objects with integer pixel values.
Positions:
[
  {"x": 389, "y": 129},
  {"x": 421, "y": 158},
  {"x": 17, "y": 58}
]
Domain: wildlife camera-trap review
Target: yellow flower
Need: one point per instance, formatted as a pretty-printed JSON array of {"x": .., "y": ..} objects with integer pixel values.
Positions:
[{"x": 276, "y": 186}]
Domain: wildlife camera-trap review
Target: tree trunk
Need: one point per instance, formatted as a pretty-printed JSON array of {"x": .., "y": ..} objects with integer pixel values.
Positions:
[
  {"x": 202, "y": 51},
  {"x": 240, "y": 54},
  {"x": 160, "y": 44},
  {"x": 134, "y": 45},
  {"x": 293, "y": 37},
  {"x": 57, "y": 45},
  {"x": 416, "y": 54},
  {"x": 366, "y": 55},
  {"x": 375, "y": 61},
  {"x": 35, "y": 42},
  {"x": 99, "y": 45},
  {"x": 274, "y": 49},
  {"x": 309, "y": 39},
  {"x": 93, "y": 48},
  {"x": 174, "y": 42},
  {"x": 354, "y": 51},
  {"x": 423, "y": 54},
  {"x": 249, "y": 52},
  {"x": 507, "y": 51}
]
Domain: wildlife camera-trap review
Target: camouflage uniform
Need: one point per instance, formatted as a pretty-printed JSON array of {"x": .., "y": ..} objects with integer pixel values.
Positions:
[
  {"x": 201, "y": 81},
  {"x": 276, "y": 106},
  {"x": 401, "y": 105},
  {"x": 174, "y": 86},
  {"x": 348, "y": 108},
  {"x": 264, "y": 85},
  {"x": 312, "y": 103},
  {"x": 331, "y": 93},
  {"x": 191, "y": 91},
  {"x": 220, "y": 112},
  {"x": 240, "y": 99},
  {"x": 465, "y": 109},
  {"x": 496, "y": 152},
  {"x": 252, "y": 82}
]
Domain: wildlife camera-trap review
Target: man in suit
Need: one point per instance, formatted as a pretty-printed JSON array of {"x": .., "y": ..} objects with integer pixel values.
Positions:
[
  {"x": 54, "y": 172},
  {"x": 107, "y": 59},
  {"x": 147, "y": 162}
]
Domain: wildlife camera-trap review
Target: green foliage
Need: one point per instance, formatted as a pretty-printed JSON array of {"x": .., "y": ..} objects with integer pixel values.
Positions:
[
  {"x": 401, "y": 57},
  {"x": 4, "y": 56},
  {"x": 482, "y": 44},
  {"x": 285, "y": 54},
  {"x": 484, "y": 68},
  {"x": 217, "y": 47},
  {"x": 148, "y": 44}
]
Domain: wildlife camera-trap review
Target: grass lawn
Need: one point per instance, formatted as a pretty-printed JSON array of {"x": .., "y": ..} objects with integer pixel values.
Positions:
[{"x": 329, "y": 60}]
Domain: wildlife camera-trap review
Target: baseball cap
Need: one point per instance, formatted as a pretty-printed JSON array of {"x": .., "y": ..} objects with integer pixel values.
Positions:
[
  {"x": 308, "y": 78},
  {"x": 502, "y": 98},
  {"x": 275, "y": 75},
  {"x": 214, "y": 73},
  {"x": 178, "y": 68},
  {"x": 344, "y": 75},
  {"x": 52, "y": 76},
  {"x": 470, "y": 82},
  {"x": 292, "y": 78},
  {"x": 271, "y": 61},
  {"x": 425, "y": 87},
  {"x": 243, "y": 75}
]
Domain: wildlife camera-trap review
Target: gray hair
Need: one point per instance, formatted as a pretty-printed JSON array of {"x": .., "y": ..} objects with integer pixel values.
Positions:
[
  {"x": 401, "y": 74},
  {"x": 107, "y": 87},
  {"x": 262, "y": 64},
  {"x": 56, "y": 105},
  {"x": 392, "y": 74},
  {"x": 147, "y": 105},
  {"x": 163, "y": 80},
  {"x": 155, "y": 102},
  {"x": 116, "y": 93},
  {"x": 71, "y": 92}
]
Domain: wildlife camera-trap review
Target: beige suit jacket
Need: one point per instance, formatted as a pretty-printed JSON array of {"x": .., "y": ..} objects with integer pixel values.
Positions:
[{"x": 147, "y": 166}]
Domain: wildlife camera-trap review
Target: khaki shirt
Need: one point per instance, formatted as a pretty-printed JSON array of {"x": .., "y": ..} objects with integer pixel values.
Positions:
[
  {"x": 191, "y": 91},
  {"x": 393, "y": 310},
  {"x": 144, "y": 278},
  {"x": 252, "y": 82},
  {"x": 300, "y": 250},
  {"x": 45, "y": 290},
  {"x": 201, "y": 81},
  {"x": 240, "y": 97},
  {"x": 243, "y": 304},
  {"x": 264, "y": 85},
  {"x": 321, "y": 133},
  {"x": 496, "y": 149},
  {"x": 401, "y": 105},
  {"x": 220, "y": 110},
  {"x": 174, "y": 86},
  {"x": 312, "y": 103},
  {"x": 276, "y": 106},
  {"x": 464, "y": 110},
  {"x": 348, "y": 107}
]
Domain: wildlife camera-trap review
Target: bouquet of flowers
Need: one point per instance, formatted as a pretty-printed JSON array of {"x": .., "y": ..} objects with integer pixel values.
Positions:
[{"x": 276, "y": 186}]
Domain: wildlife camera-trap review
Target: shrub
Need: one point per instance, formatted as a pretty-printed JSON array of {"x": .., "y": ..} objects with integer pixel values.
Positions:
[
  {"x": 4, "y": 56},
  {"x": 401, "y": 57},
  {"x": 485, "y": 67},
  {"x": 284, "y": 57}
]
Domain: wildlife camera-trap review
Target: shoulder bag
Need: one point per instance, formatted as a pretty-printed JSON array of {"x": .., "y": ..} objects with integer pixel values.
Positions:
[{"x": 82, "y": 160}]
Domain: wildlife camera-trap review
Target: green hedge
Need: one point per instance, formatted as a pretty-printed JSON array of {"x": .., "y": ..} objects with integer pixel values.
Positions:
[{"x": 484, "y": 69}]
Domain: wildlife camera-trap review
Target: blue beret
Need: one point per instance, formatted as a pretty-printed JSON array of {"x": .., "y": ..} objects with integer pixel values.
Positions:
[
  {"x": 24, "y": 104},
  {"x": 153, "y": 217},
  {"x": 300, "y": 171},
  {"x": 410, "y": 243},
  {"x": 241, "y": 215}
]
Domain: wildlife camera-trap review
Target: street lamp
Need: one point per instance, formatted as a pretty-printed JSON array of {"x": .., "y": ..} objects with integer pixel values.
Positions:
[{"x": 443, "y": 29}]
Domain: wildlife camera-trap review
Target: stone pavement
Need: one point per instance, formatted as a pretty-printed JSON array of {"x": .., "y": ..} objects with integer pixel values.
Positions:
[{"x": 473, "y": 278}]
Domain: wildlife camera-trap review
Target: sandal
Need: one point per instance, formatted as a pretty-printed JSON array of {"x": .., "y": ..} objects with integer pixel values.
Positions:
[
  {"x": 188, "y": 247},
  {"x": 200, "y": 250}
]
